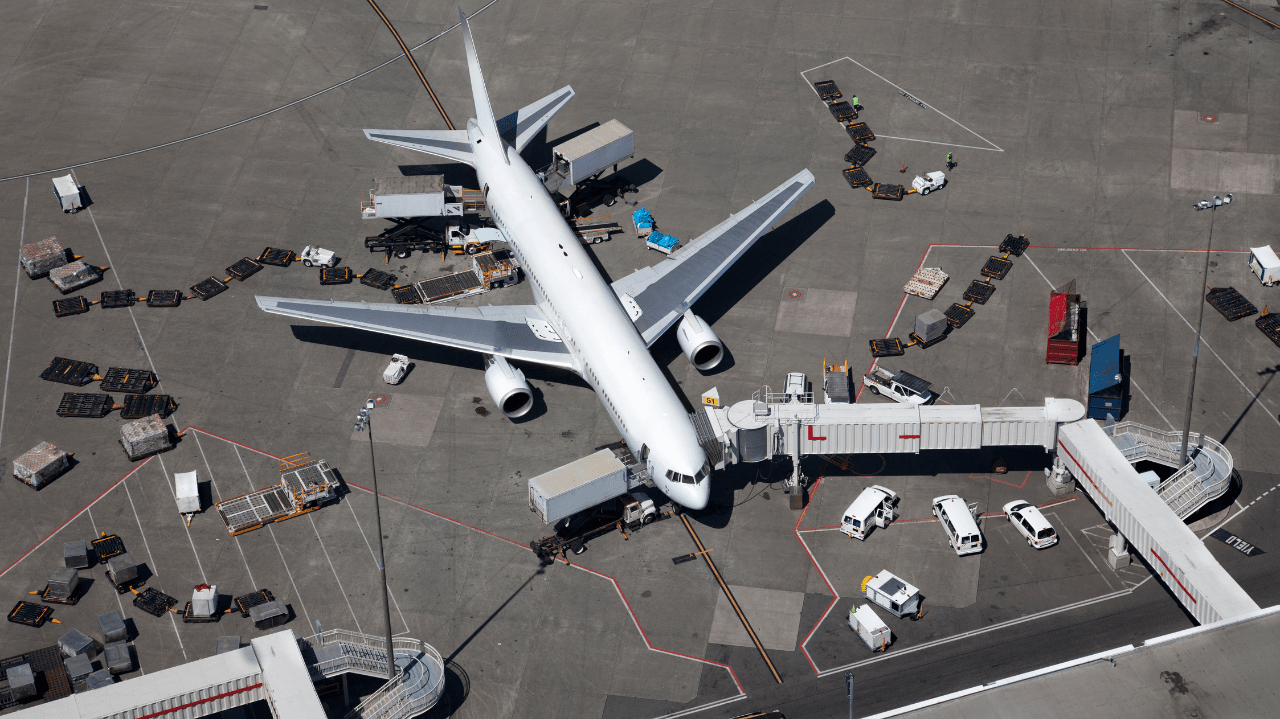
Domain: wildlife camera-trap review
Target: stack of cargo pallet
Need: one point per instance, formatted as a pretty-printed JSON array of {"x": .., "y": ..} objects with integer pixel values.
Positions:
[{"x": 134, "y": 383}]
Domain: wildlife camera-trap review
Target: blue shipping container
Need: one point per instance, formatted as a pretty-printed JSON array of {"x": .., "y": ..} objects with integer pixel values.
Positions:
[{"x": 1104, "y": 365}]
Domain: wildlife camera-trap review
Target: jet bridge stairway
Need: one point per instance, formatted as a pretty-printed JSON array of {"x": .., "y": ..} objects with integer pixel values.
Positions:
[
  {"x": 1206, "y": 476},
  {"x": 417, "y": 687}
]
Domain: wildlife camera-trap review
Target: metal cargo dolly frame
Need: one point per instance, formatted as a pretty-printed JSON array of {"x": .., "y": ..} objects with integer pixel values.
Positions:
[
  {"x": 857, "y": 177},
  {"x": 447, "y": 287},
  {"x": 118, "y": 298},
  {"x": 75, "y": 404},
  {"x": 277, "y": 257},
  {"x": 335, "y": 275},
  {"x": 1230, "y": 303},
  {"x": 164, "y": 298},
  {"x": 595, "y": 230},
  {"x": 888, "y": 347},
  {"x": 860, "y": 133},
  {"x": 1014, "y": 245},
  {"x": 979, "y": 291},
  {"x": 827, "y": 90},
  {"x": 133, "y": 381},
  {"x": 377, "y": 279},
  {"x": 71, "y": 600},
  {"x": 31, "y": 614},
  {"x": 138, "y": 406},
  {"x": 958, "y": 314},
  {"x": 406, "y": 295},
  {"x": 189, "y": 618},
  {"x": 917, "y": 340},
  {"x": 842, "y": 111},
  {"x": 154, "y": 602},
  {"x": 75, "y": 306},
  {"x": 106, "y": 547},
  {"x": 1269, "y": 324},
  {"x": 72, "y": 372},
  {"x": 996, "y": 267},
  {"x": 208, "y": 289},
  {"x": 253, "y": 599},
  {"x": 882, "y": 191},
  {"x": 244, "y": 269},
  {"x": 860, "y": 155},
  {"x": 305, "y": 486}
]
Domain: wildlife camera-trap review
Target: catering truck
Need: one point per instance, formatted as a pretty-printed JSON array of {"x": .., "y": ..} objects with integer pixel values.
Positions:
[{"x": 588, "y": 498}]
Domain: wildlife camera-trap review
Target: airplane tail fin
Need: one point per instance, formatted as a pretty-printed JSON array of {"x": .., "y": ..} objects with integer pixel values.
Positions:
[{"x": 479, "y": 94}]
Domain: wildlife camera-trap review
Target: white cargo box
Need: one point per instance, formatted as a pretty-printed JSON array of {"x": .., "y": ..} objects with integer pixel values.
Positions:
[
  {"x": 413, "y": 196},
  {"x": 204, "y": 600},
  {"x": 1265, "y": 264},
  {"x": 188, "y": 492},
  {"x": 577, "y": 486},
  {"x": 595, "y": 150},
  {"x": 870, "y": 629},
  {"x": 892, "y": 593},
  {"x": 68, "y": 193}
]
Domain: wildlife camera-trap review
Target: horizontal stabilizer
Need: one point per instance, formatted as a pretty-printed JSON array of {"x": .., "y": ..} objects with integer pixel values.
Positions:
[
  {"x": 521, "y": 126},
  {"x": 449, "y": 144}
]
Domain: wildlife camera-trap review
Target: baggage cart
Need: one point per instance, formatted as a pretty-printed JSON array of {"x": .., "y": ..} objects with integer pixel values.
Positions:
[
  {"x": 827, "y": 90},
  {"x": 835, "y": 383},
  {"x": 123, "y": 572},
  {"x": 860, "y": 133},
  {"x": 38, "y": 258},
  {"x": 77, "y": 305},
  {"x": 1015, "y": 245},
  {"x": 251, "y": 600},
  {"x": 644, "y": 223},
  {"x": 890, "y": 347},
  {"x": 958, "y": 314},
  {"x": 857, "y": 177},
  {"x": 74, "y": 275},
  {"x": 117, "y": 658},
  {"x": 1269, "y": 325},
  {"x": 860, "y": 155},
  {"x": 406, "y": 295},
  {"x": 277, "y": 257},
  {"x": 271, "y": 614},
  {"x": 111, "y": 299},
  {"x": 1230, "y": 303},
  {"x": 123, "y": 379},
  {"x": 164, "y": 298},
  {"x": 40, "y": 465},
  {"x": 842, "y": 111},
  {"x": 870, "y": 628},
  {"x": 154, "y": 602},
  {"x": 75, "y": 404},
  {"x": 377, "y": 279},
  {"x": 996, "y": 267},
  {"x": 979, "y": 292},
  {"x": 145, "y": 437},
  {"x": 32, "y": 615},
  {"x": 931, "y": 324},
  {"x": 208, "y": 288},
  {"x": 68, "y": 193},
  {"x": 882, "y": 191},
  {"x": 244, "y": 269},
  {"x": 137, "y": 406},
  {"x": 335, "y": 275},
  {"x": 72, "y": 372},
  {"x": 107, "y": 546},
  {"x": 666, "y": 244},
  {"x": 63, "y": 587}
]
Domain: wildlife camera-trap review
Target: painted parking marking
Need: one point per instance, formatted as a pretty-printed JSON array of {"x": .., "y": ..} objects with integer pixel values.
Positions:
[{"x": 1237, "y": 543}]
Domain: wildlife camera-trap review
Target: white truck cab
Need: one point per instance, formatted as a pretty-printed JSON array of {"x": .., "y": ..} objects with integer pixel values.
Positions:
[
  {"x": 1031, "y": 524},
  {"x": 465, "y": 239},
  {"x": 901, "y": 387},
  {"x": 395, "y": 371},
  {"x": 960, "y": 523},
  {"x": 638, "y": 509},
  {"x": 1264, "y": 263},
  {"x": 930, "y": 182},
  {"x": 312, "y": 256},
  {"x": 872, "y": 508}
]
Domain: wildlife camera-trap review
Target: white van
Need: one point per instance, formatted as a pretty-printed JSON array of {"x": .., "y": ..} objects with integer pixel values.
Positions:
[
  {"x": 959, "y": 522},
  {"x": 872, "y": 508},
  {"x": 1264, "y": 263}
]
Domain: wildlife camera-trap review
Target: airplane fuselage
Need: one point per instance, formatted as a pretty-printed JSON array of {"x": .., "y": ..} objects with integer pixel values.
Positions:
[{"x": 609, "y": 352}]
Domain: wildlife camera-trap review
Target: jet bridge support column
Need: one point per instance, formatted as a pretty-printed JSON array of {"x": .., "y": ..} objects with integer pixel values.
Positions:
[{"x": 795, "y": 486}]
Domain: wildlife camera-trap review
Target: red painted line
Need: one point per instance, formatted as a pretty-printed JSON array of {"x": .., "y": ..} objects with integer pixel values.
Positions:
[
  {"x": 811, "y": 437},
  {"x": 814, "y": 529},
  {"x": 908, "y": 436},
  {"x": 1001, "y": 481},
  {"x": 198, "y": 702},
  {"x": 232, "y": 441},
  {"x": 1175, "y": 577},
  {"x": 835, "y": 596},
  {"x": 1086, "y": 474},
  {"x": 74, "y": 516}
]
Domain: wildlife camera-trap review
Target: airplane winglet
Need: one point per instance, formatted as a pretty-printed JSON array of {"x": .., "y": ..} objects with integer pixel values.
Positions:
[{"x": 479, "y": 93}]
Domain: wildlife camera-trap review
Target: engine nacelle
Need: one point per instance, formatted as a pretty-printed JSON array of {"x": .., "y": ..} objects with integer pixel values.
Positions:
[
  {"x": 507, "y": 387},
  {"x": 699, "y": 342}
]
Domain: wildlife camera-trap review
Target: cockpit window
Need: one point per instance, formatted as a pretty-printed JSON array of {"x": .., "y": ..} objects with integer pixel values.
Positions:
[{"x": 687, "y": 479}]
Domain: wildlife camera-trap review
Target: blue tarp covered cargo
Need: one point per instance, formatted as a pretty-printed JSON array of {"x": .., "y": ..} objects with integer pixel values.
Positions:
[{"x": 642, "y": 219}]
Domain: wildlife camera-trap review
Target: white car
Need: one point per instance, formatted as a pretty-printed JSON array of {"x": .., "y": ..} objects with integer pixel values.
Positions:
[
  {"x": 930, "y": 182},
  {"x": 1031, "y": 523},
  {"x": 395, "y": 371},
  {"x": 312, "y": 256},
  {"x": 902, "y": 387}
]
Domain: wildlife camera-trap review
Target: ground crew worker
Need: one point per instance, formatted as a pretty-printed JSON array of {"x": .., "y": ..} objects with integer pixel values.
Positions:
[
  {"x": 855, "y": 102},
  {"x": 949, "y": 161}
]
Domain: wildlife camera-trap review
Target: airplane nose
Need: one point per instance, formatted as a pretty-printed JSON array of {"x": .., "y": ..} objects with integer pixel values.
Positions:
[{"x": 692, "y": 496}]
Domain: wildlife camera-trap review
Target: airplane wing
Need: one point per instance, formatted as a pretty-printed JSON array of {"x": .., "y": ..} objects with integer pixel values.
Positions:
[
  {"x": 657, "y": 296},
  {"x": 449, "y": 144},
  {"x": 519, "y": 127},
  {"x": 519, "y": 332}
]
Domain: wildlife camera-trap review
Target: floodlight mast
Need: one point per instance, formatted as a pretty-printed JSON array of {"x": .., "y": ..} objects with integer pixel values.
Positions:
[
  {"x": 1204, "y": 287},
  {"x": 364, "y": 420}
]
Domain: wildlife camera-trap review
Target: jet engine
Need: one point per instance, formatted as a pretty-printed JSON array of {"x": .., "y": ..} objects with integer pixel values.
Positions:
[
  {"x": 699, "y": 342},
  {"x": 507, "y": 387}
]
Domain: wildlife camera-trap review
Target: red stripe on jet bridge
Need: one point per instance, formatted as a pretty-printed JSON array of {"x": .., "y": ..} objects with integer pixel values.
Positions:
[
  {"x": 201, "y": 701},
  {"x": 1175, "y": 577},
  {"x": 908, "y": 436},
  {"x": 1082, "y": 471},
  {"x": 811, "y": 437}
]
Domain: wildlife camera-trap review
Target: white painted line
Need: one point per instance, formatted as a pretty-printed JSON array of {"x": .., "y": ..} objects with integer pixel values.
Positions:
[
  {"x": 1203, "y": 341},
  {"x": 375, "y": 563},
  {"x": 333, "y": 569},
  {"x": 213, "y": 483},
  {"x": 195, "y": 552},
  {"x": 994, "y": 147},
  {"x": 119, "y": 601},
  {"x": 271, "y": 530},
  {"x": 151, "y": 562},
  {"x": 1095, "y": 339},
  {"x": 13, "y": 321}
]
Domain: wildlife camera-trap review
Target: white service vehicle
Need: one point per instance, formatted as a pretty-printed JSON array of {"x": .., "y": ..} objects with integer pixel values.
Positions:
[
  {"x": 930, "y": 182},
  {"x": 797, "y": 383},
  {"x": 960, "y": 523},
  {"x": 902, "y": 387},
  {"x": 395, "y": 371},
  {"x": 68, "y": 192},
  {"x": 894, "y": 594},
  {"x": 872, "y": 508},
  {"x": 312, "y": 256},
  {"x": 1264, "y": 263},
  {"x": 1031, "y": 523},
  {"x": 870, "y": 628}
]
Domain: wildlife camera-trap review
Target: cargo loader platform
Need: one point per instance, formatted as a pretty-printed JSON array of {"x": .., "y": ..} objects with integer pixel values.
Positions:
[{"x": 305, "y": 485}]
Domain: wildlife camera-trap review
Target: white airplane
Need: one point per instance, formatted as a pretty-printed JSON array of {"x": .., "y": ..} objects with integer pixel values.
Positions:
[{"x": 580, "y": 323}]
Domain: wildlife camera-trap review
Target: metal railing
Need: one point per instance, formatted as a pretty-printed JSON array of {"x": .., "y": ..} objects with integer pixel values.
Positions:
[
  {"x": 413, "y": 692},
  {"x": 416, "y": 687},
  {"x": 1205, "y": 477}
]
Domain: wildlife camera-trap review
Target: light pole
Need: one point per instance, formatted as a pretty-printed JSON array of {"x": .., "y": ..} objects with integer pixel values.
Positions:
[
  {"x": 848, "y": 689},
  {"x": 364, "y": 420},
  {"x": 1212, "y": 206}
]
